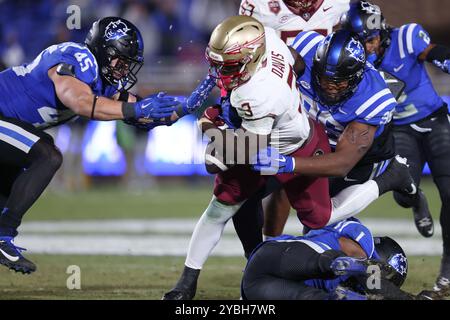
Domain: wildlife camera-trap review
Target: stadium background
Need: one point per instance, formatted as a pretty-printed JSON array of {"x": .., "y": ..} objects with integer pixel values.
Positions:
[{"x": 125, "y": 202}]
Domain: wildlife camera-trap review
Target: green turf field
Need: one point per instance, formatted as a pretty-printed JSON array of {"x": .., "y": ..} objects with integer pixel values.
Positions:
[
  {"x": 104, "y": 277},
  {"x": 146, "y": 277},
  {"x": 171, "y": 201}
]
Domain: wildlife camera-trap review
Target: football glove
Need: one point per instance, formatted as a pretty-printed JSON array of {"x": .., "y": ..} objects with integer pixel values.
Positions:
[
  {"x": 342, "y": 293},
  {"x": 156, "y": 107},
  {"x": 444, "y": 66},
  {"x": 149, "y": 125},
  {"x": 197, "y": 97},
  {"x": 229, "y": 114},
  {"x": 269, "y": 161}
]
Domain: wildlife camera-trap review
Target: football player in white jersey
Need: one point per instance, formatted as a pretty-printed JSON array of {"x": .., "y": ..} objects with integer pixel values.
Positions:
[
  {"x": 289, "y": 17},
  {"x": 258, "y": 69}
]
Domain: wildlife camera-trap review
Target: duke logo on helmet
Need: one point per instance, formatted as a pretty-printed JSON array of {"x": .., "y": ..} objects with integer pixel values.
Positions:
[
  {"x": 356, "y": 50},
  {"x": 399, "y": 263},
  {"x": 116, "y": 30}
]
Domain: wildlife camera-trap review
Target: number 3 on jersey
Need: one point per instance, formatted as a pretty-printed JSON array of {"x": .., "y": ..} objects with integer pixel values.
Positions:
[{"x": 247, "y": 109}]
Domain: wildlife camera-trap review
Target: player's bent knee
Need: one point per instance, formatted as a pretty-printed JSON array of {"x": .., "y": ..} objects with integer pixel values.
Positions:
[
  {"x": 46, "y": 153},
  {"x": 220, "y": 212},
  {"x": 316, "y": 219}
]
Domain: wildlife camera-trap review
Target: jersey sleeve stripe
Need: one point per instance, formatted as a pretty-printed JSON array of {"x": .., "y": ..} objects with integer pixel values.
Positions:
[
  {"x": 371, "y": 101},
  {"x": 17, "y": 137},
  {"x": 381, "y": 107},
  {"x": 19, "y": 130},
  {"x": 409, "y": 37},
  {"x": 310, "y": 45},
  {"x": 298, "y": 42},
  {"x": 400, "y": 42}
]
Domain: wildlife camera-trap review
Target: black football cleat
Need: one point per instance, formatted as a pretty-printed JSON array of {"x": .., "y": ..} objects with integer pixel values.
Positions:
[
  {"x": 422, "y": 216},
  {"x": 440, "y": 291},
  {"x": 186, "y": 287},
  {"x": 11, "y": 257}
]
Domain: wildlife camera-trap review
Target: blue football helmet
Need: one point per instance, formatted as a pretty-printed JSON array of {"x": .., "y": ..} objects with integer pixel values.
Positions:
[
  {"x": 116, "y": 40},
  {"x": 368, "y": 22},
  {"x": 338, "y": 67},
  {"x": 390, "y": 252}
]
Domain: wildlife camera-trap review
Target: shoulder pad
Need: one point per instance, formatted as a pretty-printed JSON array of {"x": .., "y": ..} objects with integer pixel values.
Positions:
[{"x": 65, "y": 69}]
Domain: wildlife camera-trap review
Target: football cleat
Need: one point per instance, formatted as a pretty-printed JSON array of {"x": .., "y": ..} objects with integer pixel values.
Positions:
[
  {"x": 11, "y": 257},
  {"x": 186, "y": 287},
  {"x": 349, "y": 266},
  {"x": 398, "y": 169},
  {"x": 440, "y": 291},
  {"x": 422, "y": 216},
  {"x": 397, "y": 177}
]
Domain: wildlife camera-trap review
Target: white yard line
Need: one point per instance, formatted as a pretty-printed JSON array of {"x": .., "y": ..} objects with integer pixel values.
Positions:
[
  {"x": 186, "y": 226},
  {"x": 146, "y": 237}
]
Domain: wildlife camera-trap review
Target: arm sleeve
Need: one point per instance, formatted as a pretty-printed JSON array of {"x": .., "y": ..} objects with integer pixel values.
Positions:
[
  {"x": 416, "y": 38},
  {"x": 306, "y": 44}
]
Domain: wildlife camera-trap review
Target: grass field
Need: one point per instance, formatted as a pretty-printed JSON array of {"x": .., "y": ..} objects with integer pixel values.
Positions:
[
  {"x": 148, "y": 277},
  {"x": 169, "y": 201},
  {"x": 106, "y": 277}
]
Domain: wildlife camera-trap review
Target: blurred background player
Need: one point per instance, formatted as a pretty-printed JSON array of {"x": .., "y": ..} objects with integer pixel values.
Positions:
[
  {"x": 64, "y": 81},
  {"x": 288, "y": 18},
  {"x": 421, "y": 119},
  {"x": 249, "y": 59},
  {"x": 333, "y": 263}
]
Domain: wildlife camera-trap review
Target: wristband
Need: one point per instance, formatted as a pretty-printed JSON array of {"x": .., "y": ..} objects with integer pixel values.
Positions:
[{"x": 128, "y": 110}]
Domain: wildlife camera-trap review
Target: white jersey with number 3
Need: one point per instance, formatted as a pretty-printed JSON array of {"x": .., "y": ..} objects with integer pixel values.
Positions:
[
  {"x": 269, "y": 103},
  {"x": 275, "y": 14}
]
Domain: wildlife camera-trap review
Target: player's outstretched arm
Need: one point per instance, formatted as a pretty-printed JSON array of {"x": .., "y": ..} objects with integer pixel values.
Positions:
[
  {"x": 438, "y": 55},
  {"x": 353, "y": 144},
  {"x": 78, "y": 96}
]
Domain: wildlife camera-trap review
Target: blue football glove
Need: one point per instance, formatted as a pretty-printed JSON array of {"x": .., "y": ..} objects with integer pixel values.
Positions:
[
  {"x": 342, "y": 293},
  {"x": 197, "y": 97},
  {"x": 148, "y": 126},
  {"x": 229, "y": 114},
  {"x": 269, "y": 161},
  {"x": 444, "y": 66},
  {"x": 156, "y": 107}
]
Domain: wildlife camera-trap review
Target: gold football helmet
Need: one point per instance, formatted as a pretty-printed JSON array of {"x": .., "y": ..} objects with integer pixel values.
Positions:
[{"x": 235, "y": 48}]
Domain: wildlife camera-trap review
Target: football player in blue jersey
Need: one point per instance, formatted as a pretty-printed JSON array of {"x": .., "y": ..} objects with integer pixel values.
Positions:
[
  {"x": 421, "y": 126},
  {"x": 351, "y": 99},
  {"x": 339, "y": 262},
  {"x": 64, "y": 81}
]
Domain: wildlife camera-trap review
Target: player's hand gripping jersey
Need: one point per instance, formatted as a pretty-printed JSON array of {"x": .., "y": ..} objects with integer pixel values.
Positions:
[
  {"x": 28, "y": 94},
  {"x": 323, "y": 16}
]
